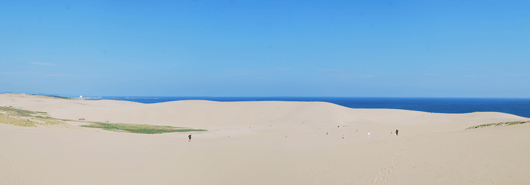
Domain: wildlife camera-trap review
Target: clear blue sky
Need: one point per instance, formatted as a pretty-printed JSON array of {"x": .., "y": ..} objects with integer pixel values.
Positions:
[{"x": 465, "y": 48}]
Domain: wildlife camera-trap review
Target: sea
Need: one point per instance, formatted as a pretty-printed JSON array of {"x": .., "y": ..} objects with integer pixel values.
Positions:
[{"x": 516, "y": 106}]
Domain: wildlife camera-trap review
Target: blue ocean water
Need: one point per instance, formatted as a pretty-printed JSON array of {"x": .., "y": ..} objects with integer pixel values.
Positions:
[{"x": 516, "y": 106}]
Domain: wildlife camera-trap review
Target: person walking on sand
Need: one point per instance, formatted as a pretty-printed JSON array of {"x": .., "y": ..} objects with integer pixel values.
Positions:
[
  {"x": 368, "y": 133},
  {"x": 189, "y": 138},
  {"x": 396, "y": 132}
]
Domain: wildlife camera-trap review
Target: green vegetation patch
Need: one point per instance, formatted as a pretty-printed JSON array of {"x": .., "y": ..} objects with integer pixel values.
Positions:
[
  {"x": 21, "y": 117},
  {"x": 499, "y": 124},
  {"x": 16, "y": 112},
  {"x": 14, "y": 121},
  {"x": 48, "y": 120},
  {"x": 139, "y": 128}
]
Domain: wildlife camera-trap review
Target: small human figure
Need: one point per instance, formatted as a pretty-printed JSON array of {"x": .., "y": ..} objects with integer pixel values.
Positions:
[
  {"x": 356, "y": 130},
  {"x": 342, "y": 136},
  {"x": 368, "y": 133},
  {"x": 338, "y": 126},
  {"x": 326, "y": 133},
  {"x": 189, "y": 138},
  {"x": 396, "y": 132}
]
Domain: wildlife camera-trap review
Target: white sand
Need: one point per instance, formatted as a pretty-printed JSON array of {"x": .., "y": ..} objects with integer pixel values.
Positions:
[{"x": 246, "y": 144}]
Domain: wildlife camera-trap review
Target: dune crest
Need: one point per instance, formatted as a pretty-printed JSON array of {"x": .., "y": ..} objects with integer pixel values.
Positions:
[{"x": 261, "y": 143}]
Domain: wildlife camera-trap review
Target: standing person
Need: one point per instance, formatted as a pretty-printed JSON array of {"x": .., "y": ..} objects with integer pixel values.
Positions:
[
  {"x": 189, "y": 138},
  {"x": 368, "y": 133},
  {"x": 396, "y": 132}
]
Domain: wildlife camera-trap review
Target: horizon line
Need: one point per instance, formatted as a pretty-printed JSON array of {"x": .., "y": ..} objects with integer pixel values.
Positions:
[{"x": 165, "y": 96}]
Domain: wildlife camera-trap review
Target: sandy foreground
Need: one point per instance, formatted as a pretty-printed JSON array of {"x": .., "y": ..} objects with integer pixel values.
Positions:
[{"x": 261, "y": 143}]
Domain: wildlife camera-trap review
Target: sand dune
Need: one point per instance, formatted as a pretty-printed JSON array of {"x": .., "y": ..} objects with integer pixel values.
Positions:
[{"x": 246, "y": 143}]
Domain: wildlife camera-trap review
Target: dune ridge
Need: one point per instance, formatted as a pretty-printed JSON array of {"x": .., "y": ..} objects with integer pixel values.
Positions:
[{"x": 261, "y": 143}]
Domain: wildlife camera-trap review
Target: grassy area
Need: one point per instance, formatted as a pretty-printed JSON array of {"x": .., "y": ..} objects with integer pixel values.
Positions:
[
  {"x": 27, "y": 118},
  {"x": 138, "y": 128},
  {"x": 48, "y": 120},
  {"x": 16, "y": 112},
  {"x": 14, "y": 121},
  {"x": 499, "y": 124}
]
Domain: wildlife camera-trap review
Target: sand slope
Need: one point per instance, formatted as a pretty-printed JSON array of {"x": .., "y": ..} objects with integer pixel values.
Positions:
[{"x": 246, "y": 144}]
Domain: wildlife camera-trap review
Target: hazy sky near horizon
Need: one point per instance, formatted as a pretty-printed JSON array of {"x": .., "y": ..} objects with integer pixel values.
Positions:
[{"x": 465, "y": 48}]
